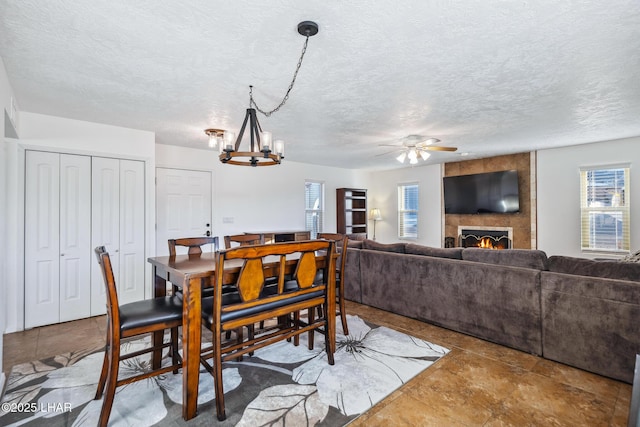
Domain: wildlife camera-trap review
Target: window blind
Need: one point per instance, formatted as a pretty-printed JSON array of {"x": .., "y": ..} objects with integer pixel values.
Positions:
[
  {"x": 314, "y": 207},
  {"x": 408, "y": 211},
  {"x": 605, "y": 213}
]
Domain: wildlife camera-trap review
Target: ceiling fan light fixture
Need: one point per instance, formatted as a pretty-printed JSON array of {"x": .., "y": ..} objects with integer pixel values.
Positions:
[
  {"x": 401, "y": 157},
  {"x": 412, "y": 155},
  {"x": 425, "y": 155}
]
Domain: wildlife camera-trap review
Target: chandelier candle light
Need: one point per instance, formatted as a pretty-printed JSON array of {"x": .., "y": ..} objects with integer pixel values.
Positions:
[{"x": 263, "y": 150}]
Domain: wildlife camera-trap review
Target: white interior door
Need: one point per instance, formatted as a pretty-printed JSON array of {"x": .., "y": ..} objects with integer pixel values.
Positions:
[
  {"x": 42, "y": 239},
  {"x": 118, "y": 202},
  {"x": 183, "y": 206},
  {"x": 105, "y": 224},
  {"x": 132, "y": 260},
  {"x": 75, "y": 237},
  {"x": 57, "y": 238}
]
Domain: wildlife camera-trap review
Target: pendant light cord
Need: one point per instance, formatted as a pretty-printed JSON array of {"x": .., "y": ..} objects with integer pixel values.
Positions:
[{"x": 252, "y": 102}]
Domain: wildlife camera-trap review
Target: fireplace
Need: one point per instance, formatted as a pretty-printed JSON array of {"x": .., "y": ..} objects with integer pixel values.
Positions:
[{"x": 485, "y": 237}]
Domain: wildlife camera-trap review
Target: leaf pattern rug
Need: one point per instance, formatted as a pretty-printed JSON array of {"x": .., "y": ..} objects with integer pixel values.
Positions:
[{"x": 279, "y": 385}]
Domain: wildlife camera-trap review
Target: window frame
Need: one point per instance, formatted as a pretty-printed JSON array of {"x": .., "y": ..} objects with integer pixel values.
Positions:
[
  {"x": 620, "y": 213},
  {"x": 402, "y": 210},
  {"x": 320, "y": 209}
]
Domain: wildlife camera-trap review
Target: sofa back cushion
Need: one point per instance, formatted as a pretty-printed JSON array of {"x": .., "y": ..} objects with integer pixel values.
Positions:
[
  {"x": 386, "y": 247},
  {"x": 587, "y": 267},
  {"x": 356, "y": 244},
  {"x": 525, "y": 258},
  {"x": 453, "y": 253}
]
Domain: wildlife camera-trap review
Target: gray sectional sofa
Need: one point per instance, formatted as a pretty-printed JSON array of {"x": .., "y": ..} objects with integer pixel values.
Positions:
[{"x": 575, "y": 311}]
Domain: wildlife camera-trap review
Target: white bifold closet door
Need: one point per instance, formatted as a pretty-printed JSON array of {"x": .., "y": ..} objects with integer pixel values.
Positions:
[
  {"x": 117, "y": 205},
  {"x": 57, "y": 237}
]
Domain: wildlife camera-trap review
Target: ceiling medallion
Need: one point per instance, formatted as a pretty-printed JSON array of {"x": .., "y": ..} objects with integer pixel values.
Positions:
[{"x": 262, "y": 150}]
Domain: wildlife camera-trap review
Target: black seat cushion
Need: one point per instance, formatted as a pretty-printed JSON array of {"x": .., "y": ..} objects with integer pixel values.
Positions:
[
  {"x": 149, "y": 312},
  {"x": 319, "y": 279},
  {"x": 207, "y": 307}
]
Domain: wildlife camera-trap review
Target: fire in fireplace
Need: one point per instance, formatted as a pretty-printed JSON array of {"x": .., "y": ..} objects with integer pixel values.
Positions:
[{"x": 485, "y": 238}]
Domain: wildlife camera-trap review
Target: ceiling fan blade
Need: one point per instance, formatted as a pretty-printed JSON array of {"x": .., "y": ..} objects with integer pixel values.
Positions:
[
  {"x": 388, "y": 152},
  {"x": 436, "y": 148},
  {"x": 390, "y": 145}
]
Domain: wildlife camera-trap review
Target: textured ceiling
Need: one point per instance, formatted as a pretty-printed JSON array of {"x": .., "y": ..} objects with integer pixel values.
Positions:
[{"x": 491, "y": 77}]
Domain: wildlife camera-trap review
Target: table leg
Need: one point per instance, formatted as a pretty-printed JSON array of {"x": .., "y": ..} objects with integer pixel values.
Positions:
[
  {"x": 159, "y": 291},
  {"x": 191, "y": 338}
]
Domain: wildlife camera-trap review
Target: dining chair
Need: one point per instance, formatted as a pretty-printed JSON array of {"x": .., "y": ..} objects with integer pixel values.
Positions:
[
  {"x": 195, "y": 245},
  {"x": 342, "y": 243},
  {"x": 251, "y": 306},
  {"x": 130, "y": 320},
  {"x": 243, "y": 240}
]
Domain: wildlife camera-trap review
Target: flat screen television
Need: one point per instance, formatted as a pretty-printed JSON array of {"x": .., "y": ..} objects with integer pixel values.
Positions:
[{"x": 493, "y": 192}]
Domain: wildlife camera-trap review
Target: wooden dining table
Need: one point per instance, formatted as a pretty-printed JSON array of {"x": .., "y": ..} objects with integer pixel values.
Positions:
[{"x": 192, "y": 273}]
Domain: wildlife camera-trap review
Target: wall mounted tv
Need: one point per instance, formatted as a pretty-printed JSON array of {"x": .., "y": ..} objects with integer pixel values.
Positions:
[{"x": 493, "y": 192}]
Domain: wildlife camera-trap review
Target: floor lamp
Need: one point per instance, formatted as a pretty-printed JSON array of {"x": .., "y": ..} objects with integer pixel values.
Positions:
[{"x": 375, "y": 215}]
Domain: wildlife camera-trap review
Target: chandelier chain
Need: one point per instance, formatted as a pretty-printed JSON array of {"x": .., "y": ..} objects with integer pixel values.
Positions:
[{"x": 252, "y": 102}]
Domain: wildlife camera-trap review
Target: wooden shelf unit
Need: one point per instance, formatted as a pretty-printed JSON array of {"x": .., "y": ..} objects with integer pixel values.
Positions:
[
  {"x": 283, "y": 236},
  {"x": 351, "y": 209}
]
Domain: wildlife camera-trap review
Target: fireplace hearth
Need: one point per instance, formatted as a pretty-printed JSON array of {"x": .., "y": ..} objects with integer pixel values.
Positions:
[{"x": 485, "y": 237}]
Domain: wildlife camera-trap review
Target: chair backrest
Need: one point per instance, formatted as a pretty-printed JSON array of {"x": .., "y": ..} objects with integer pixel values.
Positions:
[
  {"x": 113, "y": 311},
  {"x": 331, "y": 236},
  {"x": 255, "y": 270},
  {"x": 342, "y": 241},
  {"x": 243, "y": 240},
  {"x": 193, "y": 243}
]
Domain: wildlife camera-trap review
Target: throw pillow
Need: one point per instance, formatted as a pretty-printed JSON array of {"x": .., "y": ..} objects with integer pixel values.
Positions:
[{"x": 634, "y": 257}]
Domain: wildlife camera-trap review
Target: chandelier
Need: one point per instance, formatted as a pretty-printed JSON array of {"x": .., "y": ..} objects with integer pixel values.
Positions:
[{"x": 263, "y": 151}]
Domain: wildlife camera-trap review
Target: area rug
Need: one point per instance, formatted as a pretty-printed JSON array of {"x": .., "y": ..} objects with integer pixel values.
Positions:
[{"x": 281, "y": 384}]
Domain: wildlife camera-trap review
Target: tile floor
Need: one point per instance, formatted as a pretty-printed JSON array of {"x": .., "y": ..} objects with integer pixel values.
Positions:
[{"x": 477, "y": 384}]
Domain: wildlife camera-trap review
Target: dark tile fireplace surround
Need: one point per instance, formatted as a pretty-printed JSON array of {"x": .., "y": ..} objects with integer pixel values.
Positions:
[{"x": 519, "y": 227}]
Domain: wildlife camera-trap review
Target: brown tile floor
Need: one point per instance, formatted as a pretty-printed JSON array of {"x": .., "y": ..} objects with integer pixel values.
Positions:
[{"x": 477, "y": 384}]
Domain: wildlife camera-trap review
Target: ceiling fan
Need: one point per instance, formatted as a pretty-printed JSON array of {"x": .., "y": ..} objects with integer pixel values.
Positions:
[{"x": 414, "y": 146}]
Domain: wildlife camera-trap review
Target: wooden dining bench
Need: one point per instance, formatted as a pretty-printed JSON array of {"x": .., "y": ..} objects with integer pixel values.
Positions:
[{"x": 295, "y": 265}]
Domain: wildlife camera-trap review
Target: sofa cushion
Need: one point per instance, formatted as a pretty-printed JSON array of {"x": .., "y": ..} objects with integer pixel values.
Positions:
[
  {"x": 588, "y": 267},
  {"x": 525, "y": 258},
  {"x": 357, "y": 244},
  {"x": 386, "y": 247},
  {"x": 453, "y": 253}
]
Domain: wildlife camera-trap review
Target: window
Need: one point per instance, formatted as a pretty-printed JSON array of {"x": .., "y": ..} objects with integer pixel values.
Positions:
[
  {"x": 604, "y": 209},
  {"x": 408, "y": 211},
  {"x": 314, "y": 207}
]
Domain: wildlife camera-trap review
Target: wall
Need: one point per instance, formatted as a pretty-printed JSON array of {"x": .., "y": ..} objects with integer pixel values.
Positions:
[
  {"x": 521, "y": 222},
  {"x": 260, "y": 198},
  {"x": 58, "y": 134},
  {"x": 7, "y": 267},
  {"x": 558, "y": 192},
  {"x": 382, "y": 193}
]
